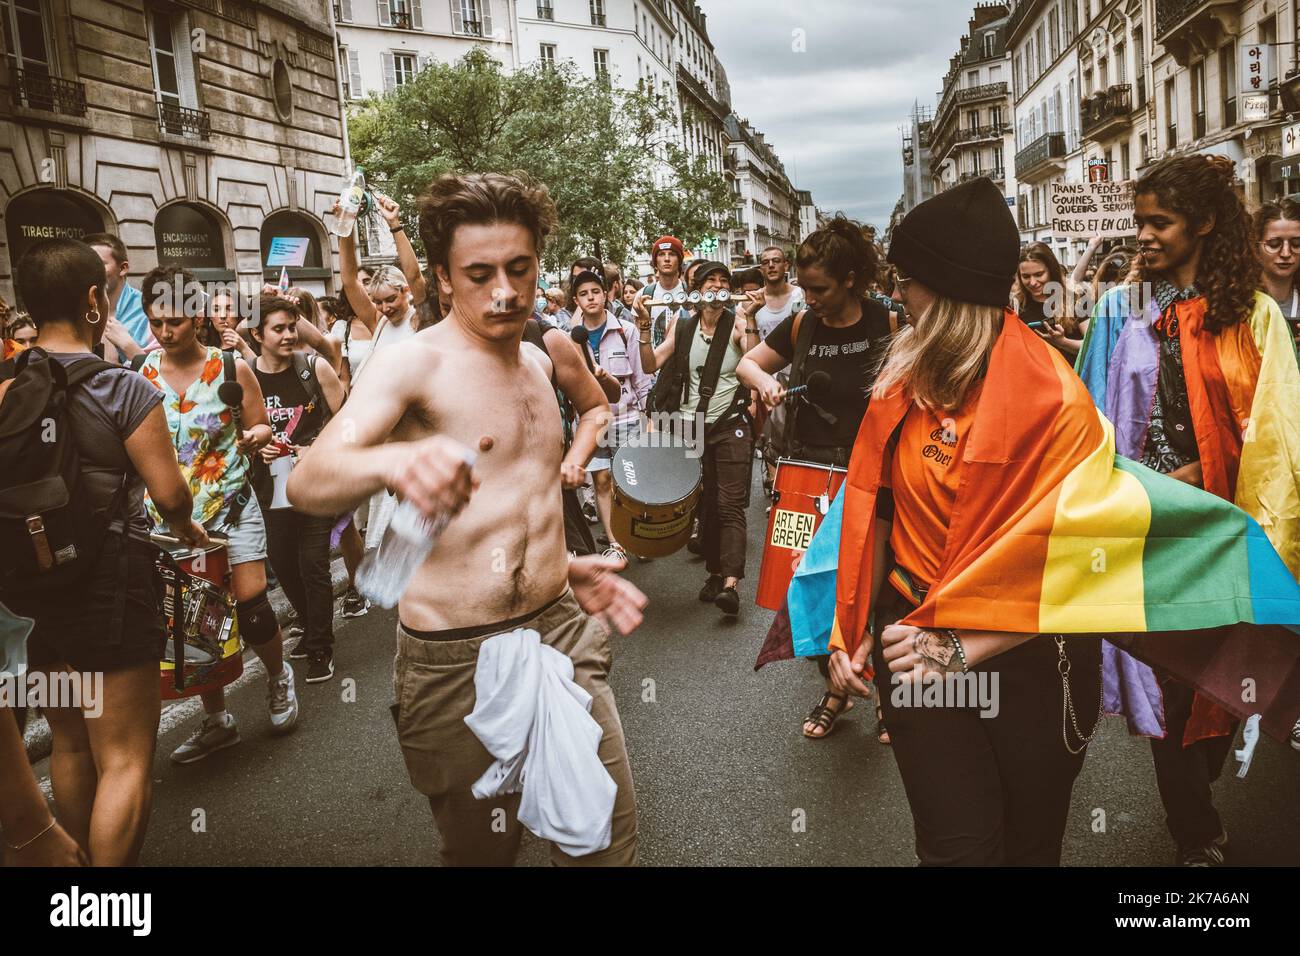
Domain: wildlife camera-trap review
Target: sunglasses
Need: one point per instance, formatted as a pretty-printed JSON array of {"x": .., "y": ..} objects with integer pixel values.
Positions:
[{"x": 901, "y": 282}]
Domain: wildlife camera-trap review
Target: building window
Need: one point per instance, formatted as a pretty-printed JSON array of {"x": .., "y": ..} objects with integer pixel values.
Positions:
[
  {"x": 1198, "y": 99},
  {"x": 352, "y": 89},
  {"x": 600, "y": 59},
  {"x": 973, "y": 120},
  {"x": 1121, "y": 67},
  {"x": 995, "y": 117},
  {"x": 343, "y": 11},
  {"x": 1268, "y": 36},
  {"x": 597, "y": 8},
  {"x": 990, "y": 45},
  {"x": 402, "y": 14},
  {"x": 1171, "y": 115},
  {"x": 404, "y": 68},
  {"x": 544, "y": 10},
  {"x": 1125, "y": 162},
  {"x": 1054, "y": 33},
  {"x": 470, "y": 17},
  {"x": 1140, "y": 69},
  {"x": 548, "y": 54},
  {"x": 973, "y": 78},
  {"x": 26, "y": 37},
  {"x": 173, "y": 72},
  {"x": 1228, "y": 83}
]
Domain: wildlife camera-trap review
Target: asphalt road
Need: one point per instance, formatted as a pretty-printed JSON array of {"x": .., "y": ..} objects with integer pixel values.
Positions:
[{"x": 723, "y": 774}]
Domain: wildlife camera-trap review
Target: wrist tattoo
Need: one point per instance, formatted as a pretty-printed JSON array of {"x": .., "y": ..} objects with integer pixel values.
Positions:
[{"x": 938, "y": 651}]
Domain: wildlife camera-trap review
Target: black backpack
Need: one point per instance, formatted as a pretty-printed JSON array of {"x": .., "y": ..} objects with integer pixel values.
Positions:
[{"x": 51, "y": 532}]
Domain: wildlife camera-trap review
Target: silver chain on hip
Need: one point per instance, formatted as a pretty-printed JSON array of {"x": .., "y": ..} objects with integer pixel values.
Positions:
[{"x": 1068, "y": 716}]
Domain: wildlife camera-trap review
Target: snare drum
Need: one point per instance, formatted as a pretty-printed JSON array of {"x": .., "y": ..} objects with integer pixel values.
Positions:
[
  {"x": 802, "y": 494},
  {"x": 206, "y": 628},
  {"x": 656, "y": 489}
]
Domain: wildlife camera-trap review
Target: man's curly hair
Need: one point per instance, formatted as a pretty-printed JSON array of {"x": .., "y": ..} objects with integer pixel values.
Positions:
[
  {"x": 1200, "y": 188},
  {"x": 454, "y": 200}
]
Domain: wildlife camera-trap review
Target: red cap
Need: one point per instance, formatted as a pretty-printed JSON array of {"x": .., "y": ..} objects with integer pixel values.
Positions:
[{"x": 668, "y": 242}]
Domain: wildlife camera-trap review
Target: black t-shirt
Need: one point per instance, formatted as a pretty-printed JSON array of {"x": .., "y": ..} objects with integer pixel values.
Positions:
[
  {"x": 851, "y": 357},
  {"x": 296, "y": 418}
]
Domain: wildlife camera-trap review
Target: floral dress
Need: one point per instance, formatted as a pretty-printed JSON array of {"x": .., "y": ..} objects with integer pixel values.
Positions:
[{"x": 204, "y": 437}]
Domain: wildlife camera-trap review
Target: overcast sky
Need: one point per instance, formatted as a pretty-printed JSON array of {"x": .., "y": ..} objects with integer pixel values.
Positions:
[{"x": 834, "y": 113}]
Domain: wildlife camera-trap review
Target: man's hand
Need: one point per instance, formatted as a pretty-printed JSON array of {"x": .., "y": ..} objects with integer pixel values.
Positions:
[
  {"x": 434, "y": 474},
  {"x": 846, "y": 672},
  {"x": 390, "y": 210},
  {"x": 601, "y": 592},
  {"x": 755, "y": 302},
  {"x": 572, "y": 475},
  {"x": 249, "y": 443},
  {"x": 1191, "y": 474}
]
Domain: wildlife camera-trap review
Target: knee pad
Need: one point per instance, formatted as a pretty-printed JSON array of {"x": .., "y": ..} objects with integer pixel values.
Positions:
[{"x": 257, "y": 621}]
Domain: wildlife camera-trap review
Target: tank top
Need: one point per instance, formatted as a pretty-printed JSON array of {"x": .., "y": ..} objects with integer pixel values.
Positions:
[
  {"x": 354, "y": 349},
  {"x": 727, "y": 383},
  {"x": 768, "y": 318},
  {"x": 203, "y": 434}
]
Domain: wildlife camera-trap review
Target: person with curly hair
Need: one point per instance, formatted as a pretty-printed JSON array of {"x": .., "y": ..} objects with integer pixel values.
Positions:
[
  {"x": 1277, "y": 243},
  {"x": 1197, "y": 370}
]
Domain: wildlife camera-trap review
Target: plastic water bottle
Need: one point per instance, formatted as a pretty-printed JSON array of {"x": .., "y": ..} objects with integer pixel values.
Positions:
[
  {"x": 385, "y": 572},
  {"x": 349, "y": 204}
]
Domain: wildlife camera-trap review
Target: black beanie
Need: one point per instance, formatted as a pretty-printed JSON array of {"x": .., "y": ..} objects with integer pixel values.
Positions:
[
  {"x": 586, "y": 276},
  {"x": 962, "y": 243}
]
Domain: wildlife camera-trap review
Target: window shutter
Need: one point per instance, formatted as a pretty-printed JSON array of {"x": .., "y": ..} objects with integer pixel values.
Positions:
[
  {"x": 385, "y": 14},
  {"x": 487, "y": 18},
  {"x": 346, "y": 10},
  {"x": 457, "y": 21},
  {"x": 417, "y": 18},
  {"x": 390, "y": 75},
  {"x": 184, "y": 61},
  {"x": 354, "y": 75}
]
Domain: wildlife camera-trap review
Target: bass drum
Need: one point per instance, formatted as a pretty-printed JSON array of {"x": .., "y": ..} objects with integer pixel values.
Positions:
[
  {"x": 802, "y": 493},
  {"x": 656, "y": 489},
  {"x": 201, "y": 622}
]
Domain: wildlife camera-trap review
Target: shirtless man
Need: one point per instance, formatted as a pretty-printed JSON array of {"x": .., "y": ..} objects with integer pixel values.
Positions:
[{"x": 468, "y": 383}]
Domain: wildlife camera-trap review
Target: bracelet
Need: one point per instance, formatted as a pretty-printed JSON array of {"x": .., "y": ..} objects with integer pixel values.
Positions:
[
  {"x": 397, "y": 230},
  {"x": 956, "y": 645},
  {"x": 19, "y": 849},
  {"x": 751, "y": 331},
  {"x": 643, "y": 341}
]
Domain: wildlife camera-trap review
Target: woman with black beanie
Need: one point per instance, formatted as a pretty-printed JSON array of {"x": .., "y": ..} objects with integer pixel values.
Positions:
[{"x": 988, "y": 773}]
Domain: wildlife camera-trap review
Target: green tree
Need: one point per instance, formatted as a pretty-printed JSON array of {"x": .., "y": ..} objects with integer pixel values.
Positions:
[{"x": 596, "y": 148}]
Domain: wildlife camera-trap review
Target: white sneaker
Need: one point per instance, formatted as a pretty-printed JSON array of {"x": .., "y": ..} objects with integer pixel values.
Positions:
[
  {"x": 215, "y": 733},
  {"x": 282, "y": 700}
]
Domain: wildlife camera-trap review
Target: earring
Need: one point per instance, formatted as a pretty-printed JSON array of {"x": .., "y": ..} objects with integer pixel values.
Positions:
[{"x": 97, "y": 317}]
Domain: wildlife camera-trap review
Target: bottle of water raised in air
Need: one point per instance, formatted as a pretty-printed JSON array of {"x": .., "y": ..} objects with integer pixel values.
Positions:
[
  {"x": 407, "y": 541},
  {"x": 349, "y": 204}
]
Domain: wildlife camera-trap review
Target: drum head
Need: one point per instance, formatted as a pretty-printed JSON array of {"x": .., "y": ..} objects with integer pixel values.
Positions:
[{"x": 656, "y": 475}]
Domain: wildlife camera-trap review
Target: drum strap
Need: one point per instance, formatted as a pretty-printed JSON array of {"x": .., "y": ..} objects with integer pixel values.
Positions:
[{"x": 713, "y": 365}]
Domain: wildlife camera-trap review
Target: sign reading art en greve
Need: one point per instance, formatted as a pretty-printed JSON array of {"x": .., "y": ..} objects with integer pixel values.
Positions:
[{"x": 1085, "y": 210}]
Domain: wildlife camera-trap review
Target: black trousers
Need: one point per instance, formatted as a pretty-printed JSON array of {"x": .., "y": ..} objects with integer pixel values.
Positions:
[
  {"x": 298, "y": 546},
  {"x": 994, "y": 791},
  {"x": 577, "y": 533},
  {"x": 728, "y": 463},
  {"x": 1184, "y": 774}
]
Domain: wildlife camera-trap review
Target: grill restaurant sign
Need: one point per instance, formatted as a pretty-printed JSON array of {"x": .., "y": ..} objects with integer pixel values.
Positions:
[{"x": 1085, "y": 210}]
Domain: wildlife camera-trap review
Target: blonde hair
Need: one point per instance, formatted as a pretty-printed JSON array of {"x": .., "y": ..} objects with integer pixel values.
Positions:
[
  {"x": 388, "y": 275},
  {"x": 940, "y": 359}
]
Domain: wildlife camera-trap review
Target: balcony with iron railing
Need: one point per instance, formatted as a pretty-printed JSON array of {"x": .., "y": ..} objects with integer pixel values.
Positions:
[
  {"x": 982, "y": 92},
  {"x": 39, "y": 91},
  {"x": 972, "y": 134},
  {"x": 1186, "y": 28},
  {"x": 1107, "y": 111},
  {"x": 1044, "y": 154},
  {"x": 545, "y": 11},
  {"x": 401, "y": 19},
  {"x": 180, "y": 121},
  {"x": 474, "y": 28}
]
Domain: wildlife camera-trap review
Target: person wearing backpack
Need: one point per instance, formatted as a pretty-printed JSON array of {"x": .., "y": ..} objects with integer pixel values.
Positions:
[
  {"x": 667, "y": 256},
  {"x": 844, "y": 333},
  {"x": 301, "y": 393},
  {"x": 75, "y": 553},
  {"x": 214, "y": 442},
  {"x": 698, "y": 381}
]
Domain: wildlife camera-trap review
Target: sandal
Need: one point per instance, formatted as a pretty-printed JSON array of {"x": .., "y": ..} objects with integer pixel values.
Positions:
[
  {"x": 823, "y": 717},
  {"x": 882, "y": 732}
]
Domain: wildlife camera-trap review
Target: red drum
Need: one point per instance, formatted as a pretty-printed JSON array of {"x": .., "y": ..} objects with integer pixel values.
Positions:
[
  {"x": 197, "y": 582},
  {"x": 802, "y": 494}
]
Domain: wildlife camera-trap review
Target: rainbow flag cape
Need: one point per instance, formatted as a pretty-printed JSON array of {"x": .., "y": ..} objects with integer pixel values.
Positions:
[{"x": 1052, "y": 532}]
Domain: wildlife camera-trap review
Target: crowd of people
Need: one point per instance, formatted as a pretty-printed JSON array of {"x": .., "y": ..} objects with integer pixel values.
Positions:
[{"x": 285, "y": 427}]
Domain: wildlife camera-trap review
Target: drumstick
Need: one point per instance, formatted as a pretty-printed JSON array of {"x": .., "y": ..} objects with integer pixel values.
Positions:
[
  {"x": 815, "y": 386},
  {"x": 695, "y": 298}
]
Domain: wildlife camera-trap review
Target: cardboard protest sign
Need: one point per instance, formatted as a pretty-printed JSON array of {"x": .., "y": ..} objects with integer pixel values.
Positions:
[{"x": 1085, "y": 210}]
